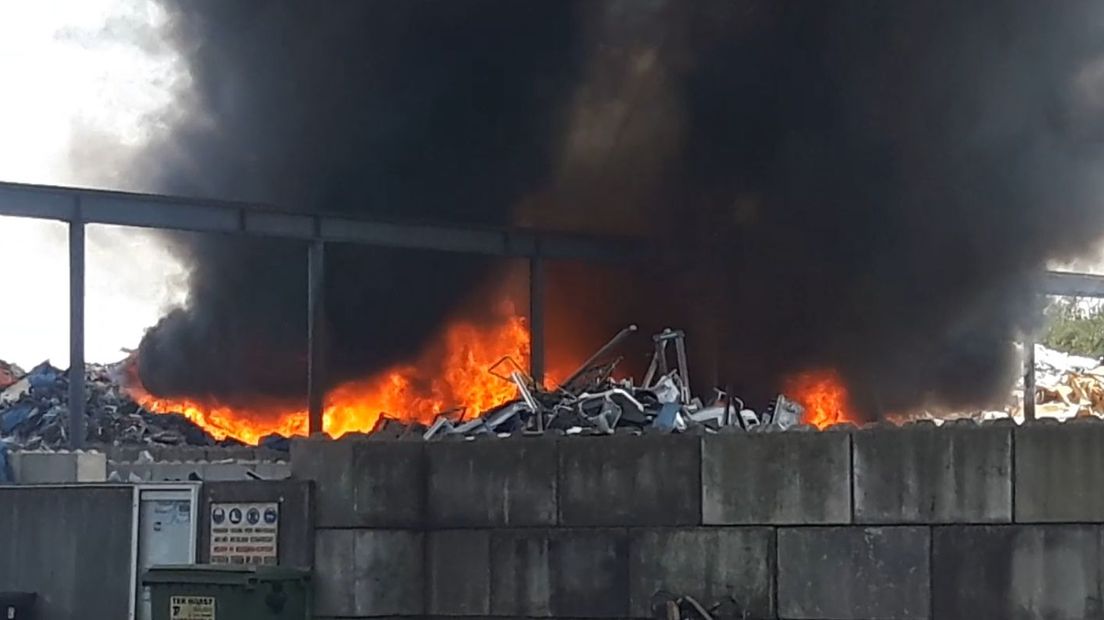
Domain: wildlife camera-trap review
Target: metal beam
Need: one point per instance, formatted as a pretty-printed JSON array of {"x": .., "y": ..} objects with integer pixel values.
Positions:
[
  {"x": 316, "y": 336},
  {"x": 76, "y": 334},
  {"x": 212, "y": 216},
  {"x": 1029, "y": 377},
  {"x": 536, "y": 320},
  {"x": 1073, "y": 284}
]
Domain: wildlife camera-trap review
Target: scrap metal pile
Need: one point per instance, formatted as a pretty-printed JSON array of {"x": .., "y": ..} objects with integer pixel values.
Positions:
[
  {"x": 668, "y": 606},
  {"x": 592, "y": 401},
  {"x": 34, "y": 411}
]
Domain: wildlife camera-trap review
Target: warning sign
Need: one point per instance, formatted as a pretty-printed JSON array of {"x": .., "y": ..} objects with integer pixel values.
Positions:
[
  {"x": 192, "y": 608},
  {"x": 244, "y": 533}
]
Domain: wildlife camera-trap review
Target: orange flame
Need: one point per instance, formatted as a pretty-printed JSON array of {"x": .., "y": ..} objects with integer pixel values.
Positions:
[
  {"x": 450, "y": 375},
  {"x": 824, "y": 396}
]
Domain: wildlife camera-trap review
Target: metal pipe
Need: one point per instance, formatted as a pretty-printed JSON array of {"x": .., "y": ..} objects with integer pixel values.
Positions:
[
  {"x": 536, "y": 321},
  {"x": 316, "y": 336},
  {"x": 616, "y": 340},
  {"x": 76, "y": 332},
  {"x": 1029, "y": 377},
  {"x": 684, "y": 370},
  {"x": 526, "y": 395}
]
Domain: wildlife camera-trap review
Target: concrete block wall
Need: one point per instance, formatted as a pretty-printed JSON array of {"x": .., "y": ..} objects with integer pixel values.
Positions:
[
  {"x": 58, "y": 467},
  {"x": 69, "y": 544},
  {"x": 207, "y": 471},
  {"x": 918, "y": 522}
]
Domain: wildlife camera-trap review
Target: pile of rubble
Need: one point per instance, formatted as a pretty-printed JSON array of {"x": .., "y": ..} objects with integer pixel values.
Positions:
[
  {"x": 1067, "y": 386},
  {"x": 34, "y": 411},
  {"x": 591, "y": 401}
]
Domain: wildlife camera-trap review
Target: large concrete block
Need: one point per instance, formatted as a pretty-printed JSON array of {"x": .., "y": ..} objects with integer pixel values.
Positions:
[
  {"x": 45, "y": 467},
  {"x": 710, "y": 564},
  {"x": 1060, "y": 472},
  {"x": 564, "y": 573},
  {"x": 776, "y": 478},
  {"x": 458, "y": 581},
  {"x": 521, "y": 573},
  {"x": 362, "y": 483},
  {"x": 368, "y": 573},
  {"x": 71, "y": 545},
  {"x": 924, "y": 474},
  {"x": 628, "y": 480},
  {"x": 1017, "y": 572},
  {"x": 492, "y": 483},
  {"x": 853, "y": 573}
]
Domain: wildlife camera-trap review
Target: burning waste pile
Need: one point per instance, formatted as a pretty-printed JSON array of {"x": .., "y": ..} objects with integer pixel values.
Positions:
[
  {"x": 34, "y": 413},
  {"x": 592, "y": 402}
]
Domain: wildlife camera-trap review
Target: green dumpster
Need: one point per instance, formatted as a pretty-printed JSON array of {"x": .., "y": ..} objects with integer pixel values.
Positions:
[{"x": 225, "y": 592}]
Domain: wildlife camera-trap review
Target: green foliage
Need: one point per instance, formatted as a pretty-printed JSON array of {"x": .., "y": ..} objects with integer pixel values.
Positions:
[{"x": 1075, "y": 327}]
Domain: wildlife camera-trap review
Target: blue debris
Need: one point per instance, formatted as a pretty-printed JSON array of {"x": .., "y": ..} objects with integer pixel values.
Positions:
[
  {"x": 276, "y": 441},
  {"x": 668, "y": 417},
  {"x": 44, "y": 376},
  {"x": 6, "y": 476},
  {"x": 15, "y": 416}
]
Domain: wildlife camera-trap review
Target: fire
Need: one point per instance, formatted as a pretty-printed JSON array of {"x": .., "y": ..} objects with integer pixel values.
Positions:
[
  {"x": 824, "y": 396},
  {"x": 451, "y": 375}
]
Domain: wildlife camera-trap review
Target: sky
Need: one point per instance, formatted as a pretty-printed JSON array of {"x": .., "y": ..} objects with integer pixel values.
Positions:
[{"x": 86, "y": 84}]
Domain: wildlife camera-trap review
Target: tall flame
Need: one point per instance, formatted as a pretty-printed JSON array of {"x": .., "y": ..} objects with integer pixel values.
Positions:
[
  {"x": 451, "y": 375},
  {"x": 824, "y": 396}
]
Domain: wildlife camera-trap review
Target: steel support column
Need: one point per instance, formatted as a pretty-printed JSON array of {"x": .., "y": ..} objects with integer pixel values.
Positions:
[
  {"x": 1029, "y": 376},
  {"x": 536, "y": 319},
  {"x": 76, "y": 334},
  {"x": 316, "y": 335}
]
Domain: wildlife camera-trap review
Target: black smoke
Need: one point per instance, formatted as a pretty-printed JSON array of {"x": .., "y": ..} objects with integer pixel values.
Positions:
[
  {"x": 414, "y": 109},
  {"x": 867, "y": 186}
]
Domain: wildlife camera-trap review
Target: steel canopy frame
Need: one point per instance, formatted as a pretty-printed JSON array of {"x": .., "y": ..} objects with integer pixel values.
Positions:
[
  {"x": 91, "y": 206},
  {"x": 81, "y": 206}
]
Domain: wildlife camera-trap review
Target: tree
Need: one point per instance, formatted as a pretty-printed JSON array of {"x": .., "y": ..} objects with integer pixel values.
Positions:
[{"x": 1076, "y": 327}]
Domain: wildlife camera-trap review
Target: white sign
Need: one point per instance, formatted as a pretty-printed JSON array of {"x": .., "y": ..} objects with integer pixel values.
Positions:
[
  {"x": 244, "y": 533},
  {"x": 192, "y": 608}
]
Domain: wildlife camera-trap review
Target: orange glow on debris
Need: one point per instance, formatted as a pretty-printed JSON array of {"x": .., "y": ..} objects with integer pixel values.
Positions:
[
  {"x": 451, "y": 375},
  {"x": 824, "y": 396}
]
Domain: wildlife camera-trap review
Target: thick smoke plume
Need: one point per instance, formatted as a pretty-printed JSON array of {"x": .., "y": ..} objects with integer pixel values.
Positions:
[{"x": 867, "y": 186}]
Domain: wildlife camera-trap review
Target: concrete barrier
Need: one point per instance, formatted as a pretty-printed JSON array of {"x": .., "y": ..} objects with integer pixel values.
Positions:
[
  {"x": 776, "y": 478},
  {"x": 63, "y": 467},
  {"x": 710, "y": 564},
  {"x": 924, "y": 474},
  {"x": 1060, "y": 472},
  {"x": 70, "y": 545},
  {"x": 361, "y": 573},
  {"x": 560, "y": 573},
  {"x": 1017, "y": 572},
  {"x": 628, "y": 480},
  {"x": 363, "y": 483},
  {"x": 458, "y": 570},
  {"x": 491, "y": 483},
  {"x": 222, "y": 471},
  {"x": 854, "y": 573},
  {"x": 588, "y": 527},
  {"x": 521, "y": 573}
]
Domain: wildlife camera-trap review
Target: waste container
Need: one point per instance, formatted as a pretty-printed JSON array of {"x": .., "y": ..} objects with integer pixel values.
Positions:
[
  {"x": 224, "y": 592},
  {"x": 17, "y": 605}
]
